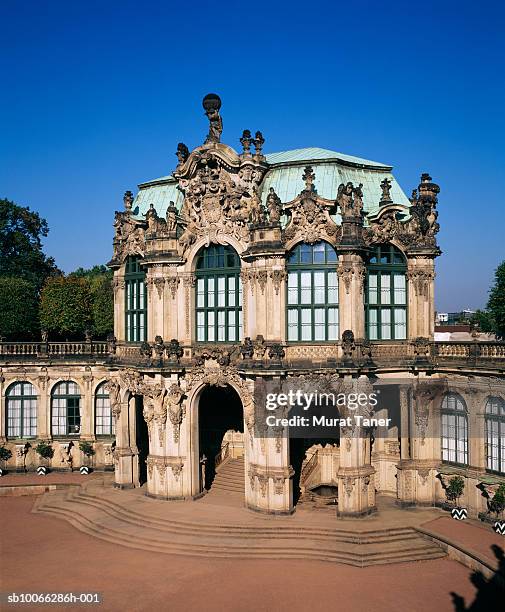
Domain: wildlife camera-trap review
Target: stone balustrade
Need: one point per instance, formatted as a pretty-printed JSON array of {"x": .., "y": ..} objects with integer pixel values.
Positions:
[{"x": 19, "y": 350}]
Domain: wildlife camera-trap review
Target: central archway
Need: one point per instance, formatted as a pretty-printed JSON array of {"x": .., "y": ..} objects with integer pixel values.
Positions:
[{"x": 220, "y": 412}]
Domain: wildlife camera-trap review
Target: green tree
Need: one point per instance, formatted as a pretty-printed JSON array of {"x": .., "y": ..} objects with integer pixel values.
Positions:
[
  {"x": 65, "y": 306},
  {"x": 21, "y": 252},
  {"x": 99, "y": 279},
  {"x": 102, "y": 298},
  {"x": 492, "y": 319},
  {"x": 19, "y": 308}
]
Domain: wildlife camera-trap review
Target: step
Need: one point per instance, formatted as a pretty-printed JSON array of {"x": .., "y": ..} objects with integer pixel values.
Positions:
[{"x": 102, "y": 518}]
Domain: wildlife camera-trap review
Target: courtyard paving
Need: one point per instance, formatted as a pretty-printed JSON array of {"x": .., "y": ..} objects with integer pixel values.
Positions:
[{"x": 42, "y": 553}]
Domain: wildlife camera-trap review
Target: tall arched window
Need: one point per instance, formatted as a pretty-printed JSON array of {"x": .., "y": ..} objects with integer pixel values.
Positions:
[
  {"x": 65, "y": 409},
  {"x": 454, "y": 429},
  {"x": 386, "y": 294},
  {"x": 312, "y": 293},
  {"x": 495, "y": 434},
  {"x": 218, "y": 295},
  {"x": 135, "y": 301},
  {"x": 21, "y": 410},
  {"x": 104, "y": 422}
]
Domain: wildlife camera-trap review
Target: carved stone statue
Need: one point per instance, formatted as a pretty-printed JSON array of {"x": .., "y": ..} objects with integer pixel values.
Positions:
[
  {"x": 152, "y": 219},
  {"x": 171, "y": 217},
  {"x": 182, "y": 153},
  {"x": 247, "y": 349},
  {"x": 212, "y": 104},
  {"x": 255, "y": 208},
  {"x": 128, "y": 200},
  {"x": 246, "y": 141},
  {"x": 386, "y": 191},
  {"x": 345, "y": 200},
  {"x": 259, "y": 141},
  {"x": 274, "y": 206}
]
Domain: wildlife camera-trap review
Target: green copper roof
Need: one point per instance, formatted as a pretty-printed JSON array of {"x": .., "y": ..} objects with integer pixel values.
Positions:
[
  {"x": 312, "y": 154},
  {"x": 285, "y": 176}
]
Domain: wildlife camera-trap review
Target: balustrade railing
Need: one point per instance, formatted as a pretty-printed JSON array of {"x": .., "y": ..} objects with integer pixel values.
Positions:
[
  {"x": 52, "y": 349},
  {"x": 222, "y": 455},
  {"x": 309, "y": 467}
]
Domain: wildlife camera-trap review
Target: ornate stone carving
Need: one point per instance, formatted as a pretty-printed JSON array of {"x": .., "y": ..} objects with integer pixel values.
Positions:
[
  {"x": 114, "y": 389},
  {"x": 386, "y": 192},
  {"x": 173, "y": 283},
  {"x": 262, "y": 277},
  {"x": 246, "y": 141},
  {"x": 150, "y": 466},
  {"x": 182, "y": 153},
  {"x": 348, "y": 344},
  {"x": 278, "y": 277},
  {"x": 211, "y": 104},
  {"x": 247, "y": 349},
  {"x": 220, "y": 377},
  {"x": 310, "y": 215},
  {"x": 350, "y": 200},
  {"x": 345, "y": 273},
  {"x": 159, "y": 283},
  {"x": 274, "y": 206},
  {"x": 176, "y": 409},
  {"x": 349, "y": 485},
  {"x": 174, "y": 350},
  {"x": 276, "y": 352},
  {"x": 421, "y": 280},
  {"x": 419, "y": 230},
  {"x": 129, "y": 234}
]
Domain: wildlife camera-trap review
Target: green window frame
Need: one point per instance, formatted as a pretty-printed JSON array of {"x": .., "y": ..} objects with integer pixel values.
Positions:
[
  {"x": 104, "y": 421},
  {"x": 66, "y": 409},
  {"x": 312, "y": 293},
  {"x": 218, "y": 295},
  {"x": 135, "y": 301},
  {"x": 21, "y": 410},
  {"x": 386, "y": 294},
  {"x": 495, "y": 435},
  {"x": 454, "y": 438}
]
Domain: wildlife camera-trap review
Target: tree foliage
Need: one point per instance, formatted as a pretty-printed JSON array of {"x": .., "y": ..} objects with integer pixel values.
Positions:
[
  {"x": 492, "y": 320},
  {"x": 18, "y": 308},
  {"x": 99, "y": 279},
  {"x": 65, "y": 306},
  {"x": 21, "y": 252}
]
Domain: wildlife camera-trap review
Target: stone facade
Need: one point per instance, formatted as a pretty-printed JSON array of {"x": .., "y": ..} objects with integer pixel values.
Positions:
[{"x": 156, "y": 385}]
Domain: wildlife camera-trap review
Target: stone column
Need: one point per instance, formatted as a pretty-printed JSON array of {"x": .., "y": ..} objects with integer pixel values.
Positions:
[
  {"x": 421, "y": 300},
  {"x": 188, "y": 284},
  {"x": 126, "y": 476},
  {"x": 351, "y": 276},
  {"x": 119, "y": 305},
  {"x": 356, "y": 486}
]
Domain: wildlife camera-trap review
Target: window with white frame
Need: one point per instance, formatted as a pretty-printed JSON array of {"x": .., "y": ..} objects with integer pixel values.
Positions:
[
  {"x": 21, "y": 404},
  {"x": 218, "y": 295},
  {"x": 454, "y": 429},
  {"x": 312, "y": 297},
  {"x": 65, "y": 409},
  {"x": 495, "y": 434},
  {"x": 135, "y": 301},
  {"x": 386, "y": 294},
  {"x": 104, "y": 421}
]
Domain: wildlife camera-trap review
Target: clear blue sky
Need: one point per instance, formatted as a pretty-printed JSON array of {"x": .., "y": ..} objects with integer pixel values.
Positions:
[{"x": 97, "y": 94}]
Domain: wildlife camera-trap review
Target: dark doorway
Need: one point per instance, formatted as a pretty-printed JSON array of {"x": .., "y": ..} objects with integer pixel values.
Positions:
[
  {"x": 297, "y": 449},
  {"x": 142, "y": 438},
  {"x": 220, "y": 409}
]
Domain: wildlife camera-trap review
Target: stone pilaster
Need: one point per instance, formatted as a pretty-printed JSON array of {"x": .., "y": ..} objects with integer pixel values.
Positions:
[
  {"x": 421, "y": 300},
  {"x": 351, "y": 277}
]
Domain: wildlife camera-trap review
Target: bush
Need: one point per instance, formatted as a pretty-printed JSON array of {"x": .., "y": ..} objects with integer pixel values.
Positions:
[
  {"x": 46, "y": 451},
  {"x": 87, "y": 448},
  {"x": 455, "y": 489},
  {"x": 497, "y": 504},
  {"x": 5, "y": 453}
]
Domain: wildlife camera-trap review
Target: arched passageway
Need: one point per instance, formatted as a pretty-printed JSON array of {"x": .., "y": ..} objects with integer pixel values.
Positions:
[{"x": 220, "y": 410}]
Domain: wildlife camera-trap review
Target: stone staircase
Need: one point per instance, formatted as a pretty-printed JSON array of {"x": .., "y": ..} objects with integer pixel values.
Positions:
[
  {"x": 130, "y": 519},
  {"x": 229, "y": 479}
]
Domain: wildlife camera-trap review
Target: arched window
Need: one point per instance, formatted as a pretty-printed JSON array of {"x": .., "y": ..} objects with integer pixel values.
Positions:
[
  {"x": 135, "y": 301},
  {"x": 21, "y": 410},
  {"x": 495, "y": 434},
  {"x": 218, "y": 295},
  {"x": 104, "y": 423},
  {"x": 454, "y": 429},
  {"x": 312, "y": 293},
  {"x": 65, "y": 409},
  {"x": 386, "y": 294}
]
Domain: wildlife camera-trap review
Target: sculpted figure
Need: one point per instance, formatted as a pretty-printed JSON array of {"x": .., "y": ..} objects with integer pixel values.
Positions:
[
  {"x": 274, "y": 206},
  {"x": 171, "y": 217},
  {"x": 344, "y": 199}
]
